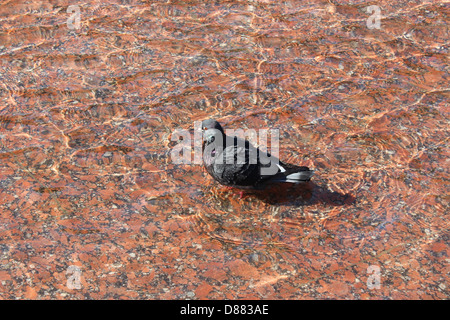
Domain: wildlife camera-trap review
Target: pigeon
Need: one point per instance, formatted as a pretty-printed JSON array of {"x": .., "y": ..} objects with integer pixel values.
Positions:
[{"x": 235, "y": 162}]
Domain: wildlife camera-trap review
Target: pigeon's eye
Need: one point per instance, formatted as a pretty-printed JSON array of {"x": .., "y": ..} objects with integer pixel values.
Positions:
[{"x": 204, "y": 128}]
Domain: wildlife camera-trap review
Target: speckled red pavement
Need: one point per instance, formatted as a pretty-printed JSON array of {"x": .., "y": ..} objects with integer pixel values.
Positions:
[{"x": 93, "y": 207}]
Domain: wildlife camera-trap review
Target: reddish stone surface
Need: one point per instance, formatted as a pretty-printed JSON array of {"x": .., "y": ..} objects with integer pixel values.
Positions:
[{"x": 87, "y": 181}]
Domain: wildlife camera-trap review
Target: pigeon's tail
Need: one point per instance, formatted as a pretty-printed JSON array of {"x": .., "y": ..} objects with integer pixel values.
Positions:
[
  {"x": 299, "y": 176},
  {"x": 293, "y": 174}
]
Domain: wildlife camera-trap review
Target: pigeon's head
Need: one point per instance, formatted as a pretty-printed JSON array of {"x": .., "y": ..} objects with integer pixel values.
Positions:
[
  {"x": 211, "y": 124},
  {"x": 212, "y": 135}
]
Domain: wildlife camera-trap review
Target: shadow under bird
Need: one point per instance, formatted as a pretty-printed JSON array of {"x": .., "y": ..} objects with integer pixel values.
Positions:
[{"x": 235, "y": 162}]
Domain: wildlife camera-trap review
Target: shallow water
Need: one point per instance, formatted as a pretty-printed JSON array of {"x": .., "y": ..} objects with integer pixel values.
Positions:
[{"x": 87, "y": 182}]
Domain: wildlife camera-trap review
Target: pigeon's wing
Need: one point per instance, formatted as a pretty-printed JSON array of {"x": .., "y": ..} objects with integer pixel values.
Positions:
[{"x": 234, "y": 167}]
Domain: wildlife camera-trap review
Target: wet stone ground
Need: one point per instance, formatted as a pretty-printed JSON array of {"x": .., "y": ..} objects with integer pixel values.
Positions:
[{"x": 93, "y": 207}]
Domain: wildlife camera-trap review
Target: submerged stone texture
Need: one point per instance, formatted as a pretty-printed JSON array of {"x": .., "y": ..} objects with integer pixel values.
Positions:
[{"x": 93, "y": 207}]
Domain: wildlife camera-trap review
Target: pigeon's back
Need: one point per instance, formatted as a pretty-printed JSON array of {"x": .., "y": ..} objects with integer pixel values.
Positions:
[{"x": 230, "y": 164}]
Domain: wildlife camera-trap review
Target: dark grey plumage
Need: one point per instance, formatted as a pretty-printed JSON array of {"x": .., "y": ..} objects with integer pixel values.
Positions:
[{"x": 235, "y": 162}]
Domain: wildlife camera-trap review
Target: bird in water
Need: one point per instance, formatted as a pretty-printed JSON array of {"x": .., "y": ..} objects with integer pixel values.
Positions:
[{"x": 235, "y": 162}]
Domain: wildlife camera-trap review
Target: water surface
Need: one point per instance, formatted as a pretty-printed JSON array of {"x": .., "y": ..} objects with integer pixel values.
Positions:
[{"x": 86, "y": 178}]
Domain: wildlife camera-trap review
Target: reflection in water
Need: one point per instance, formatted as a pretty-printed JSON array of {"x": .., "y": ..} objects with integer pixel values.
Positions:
[{"x": 86, "y": 178}]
